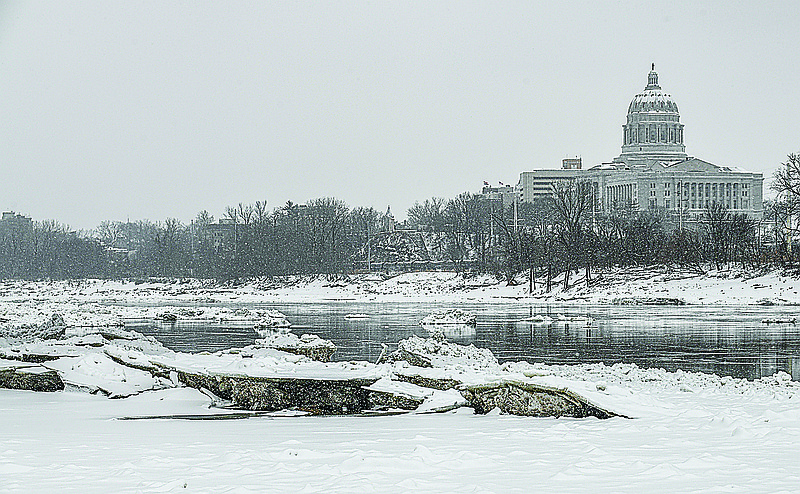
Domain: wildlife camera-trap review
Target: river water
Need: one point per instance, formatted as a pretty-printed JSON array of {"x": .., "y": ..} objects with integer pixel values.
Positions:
[{"x": 731, "y": 341}]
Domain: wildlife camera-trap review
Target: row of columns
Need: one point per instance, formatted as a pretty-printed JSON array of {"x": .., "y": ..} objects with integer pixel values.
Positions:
[
  {"x": 620, "y": 193},
  {"x": 645, "y": 133}
]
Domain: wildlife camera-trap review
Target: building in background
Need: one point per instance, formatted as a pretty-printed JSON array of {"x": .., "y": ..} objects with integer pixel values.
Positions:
[
  {"x": 502, "y": 195},
  {"x": 388, "y": 223},
  {"x": 653, "y": 170},
  {"x": 14, "y": 224},
  {"x": 538, "y": 184}
]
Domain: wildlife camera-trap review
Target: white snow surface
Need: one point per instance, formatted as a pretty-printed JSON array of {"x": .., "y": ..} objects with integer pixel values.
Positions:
[
  {"x": 693, "y": 433},
  {"x": 689, "y": 432},
  {"x": 618, "y": 285}
]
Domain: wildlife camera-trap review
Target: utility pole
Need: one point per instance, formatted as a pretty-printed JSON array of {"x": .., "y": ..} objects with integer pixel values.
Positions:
[
  {"x": 369, "y": 247},
  {"x": 191, "y": 234},
  {"x": 515, "y": 217}
]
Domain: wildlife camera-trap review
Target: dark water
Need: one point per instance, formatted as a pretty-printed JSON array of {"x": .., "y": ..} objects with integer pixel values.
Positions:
[{"x": 729, "y": 341}]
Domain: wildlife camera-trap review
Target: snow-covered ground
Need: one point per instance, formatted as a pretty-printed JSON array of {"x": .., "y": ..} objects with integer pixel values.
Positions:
[
  {"x": 29, "y": 304},
  {"x": 693, "y": 433},
  {"x": 689, "y": 432},
  {"x": 731, "y": 287}
]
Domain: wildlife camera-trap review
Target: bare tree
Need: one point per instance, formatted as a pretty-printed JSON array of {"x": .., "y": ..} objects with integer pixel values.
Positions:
[
  {"x": 787, "y": 182},
  {"x": 787, "y": 206},
  {"x": 572, "y": 202},
  {"x": 109, "y": 233},
  {"x": 428, "y": 216}
]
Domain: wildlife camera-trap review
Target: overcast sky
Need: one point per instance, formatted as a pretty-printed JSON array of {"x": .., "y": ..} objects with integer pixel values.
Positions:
[{"x": 117, "y": 110}]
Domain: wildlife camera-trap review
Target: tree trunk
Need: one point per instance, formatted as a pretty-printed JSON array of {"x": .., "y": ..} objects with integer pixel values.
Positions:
[
  {"x": 530, "y": 281},
  {"x": 549, "y": 277},
  {"x": 566, "y": 278}
]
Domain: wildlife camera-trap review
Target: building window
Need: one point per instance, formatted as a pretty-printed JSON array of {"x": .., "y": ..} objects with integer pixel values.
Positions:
[{"x": 667, "y": 203}]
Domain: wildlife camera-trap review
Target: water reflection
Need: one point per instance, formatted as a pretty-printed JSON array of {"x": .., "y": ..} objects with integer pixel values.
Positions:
[{"x": 726, "y": 341}]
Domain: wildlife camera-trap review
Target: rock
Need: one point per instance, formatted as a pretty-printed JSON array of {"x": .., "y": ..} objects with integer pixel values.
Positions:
[
  {"x": 449, "y": 316},
  {"x": 382, "y": 400},
  {"x": 442, "y": 384},
  {"x": 647, "y": 301},
  {"x": 415, "y": 359},
  {"x": 310, "y": 345},
  {"x": 434, "y": 352},
  {"x": 52, "y": 329},
  {"x": 30, "y": 379},
  {"x": 271, "y": 320},
  {"x": 166, "y": 317},
  {"x": 319, "y": 397},
  {"x": 530, "y": 400}
]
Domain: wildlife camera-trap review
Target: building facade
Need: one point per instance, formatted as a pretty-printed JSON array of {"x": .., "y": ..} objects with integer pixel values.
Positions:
[
  {"x": 14, "y": 223},
  {"x": 653, "y": 170},
  {"x": 502, "y": 195},
  {"x": 538, "y": 184}
]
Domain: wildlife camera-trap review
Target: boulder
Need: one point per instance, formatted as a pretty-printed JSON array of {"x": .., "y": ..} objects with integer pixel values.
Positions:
[
  {"x": 384, "y": 400},
  {"x": 531, "y": 400},
  {"x": 30, "y": 379},
  {"x": 442, "y": 384},
  {"x": 437, "y": 352},
  {"x": 316, "y": 396},
  {"x": 309, "y": 345}
]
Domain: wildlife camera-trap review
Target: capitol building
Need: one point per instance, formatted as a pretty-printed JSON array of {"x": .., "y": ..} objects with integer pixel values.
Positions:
[{"x": 653, "y": 170}]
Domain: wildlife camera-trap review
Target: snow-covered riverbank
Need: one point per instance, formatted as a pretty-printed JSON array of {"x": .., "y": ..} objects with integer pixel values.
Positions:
[
  {"x": 694, "y": 434},
  {"x": 616, "y": 286},
  {"x": 689, "y": 432}
]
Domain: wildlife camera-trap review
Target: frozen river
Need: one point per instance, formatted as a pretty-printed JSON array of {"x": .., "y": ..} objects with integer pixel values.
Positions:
[{"x": 724, "y": 340}]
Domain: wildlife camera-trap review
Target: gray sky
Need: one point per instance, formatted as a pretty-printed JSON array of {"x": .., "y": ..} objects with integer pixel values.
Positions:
[{"x": 115, "y": 110}]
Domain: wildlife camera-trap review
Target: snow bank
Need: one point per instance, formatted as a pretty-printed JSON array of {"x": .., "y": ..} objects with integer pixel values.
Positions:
[{"x": 632, "y": 285}]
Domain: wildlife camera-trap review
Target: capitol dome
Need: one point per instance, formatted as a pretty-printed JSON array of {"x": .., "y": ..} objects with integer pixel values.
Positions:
[
  {"x": 652, "y": 99},
  {"x": 653, "y": 130}
]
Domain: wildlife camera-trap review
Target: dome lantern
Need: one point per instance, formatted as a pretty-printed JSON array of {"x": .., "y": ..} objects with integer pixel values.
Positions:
[{"x": 652, "y": 79}]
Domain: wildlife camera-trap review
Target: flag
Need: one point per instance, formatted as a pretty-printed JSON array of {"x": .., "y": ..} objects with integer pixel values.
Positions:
[
  {"x": 501, "y": 183},
  {"x": 485, "y": 183}
]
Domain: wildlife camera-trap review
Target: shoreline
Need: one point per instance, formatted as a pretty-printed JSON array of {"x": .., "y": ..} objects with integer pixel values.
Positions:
[
  {"x": 693, "y": 432},
  {"x": 654, "y": 285}
]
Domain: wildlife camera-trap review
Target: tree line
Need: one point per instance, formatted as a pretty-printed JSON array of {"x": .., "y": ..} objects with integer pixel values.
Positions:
[{"x": 565, "y": 232}]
